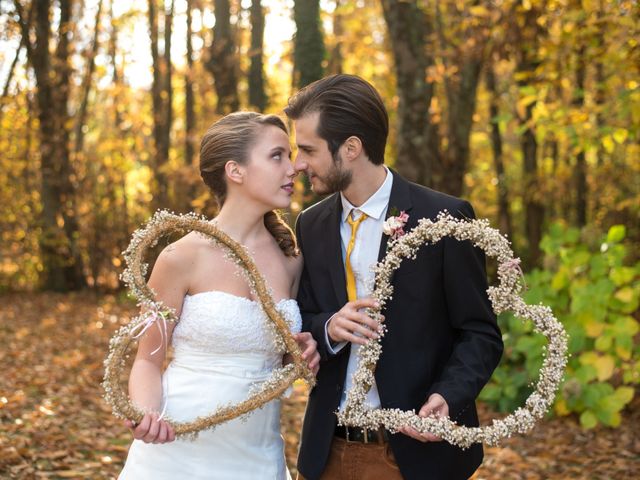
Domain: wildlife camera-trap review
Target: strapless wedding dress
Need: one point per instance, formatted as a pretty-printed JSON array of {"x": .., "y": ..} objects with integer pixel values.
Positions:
[{"x": 223, "y": 346}]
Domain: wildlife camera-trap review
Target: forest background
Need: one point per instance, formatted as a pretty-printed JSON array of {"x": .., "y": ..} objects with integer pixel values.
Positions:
[{"x": 530, "y": 109}]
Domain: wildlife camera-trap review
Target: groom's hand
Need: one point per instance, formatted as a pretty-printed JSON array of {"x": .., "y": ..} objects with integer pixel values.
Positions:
[
  {"x": 350, "y": 325},
  {"x": 436, "y": 405}
]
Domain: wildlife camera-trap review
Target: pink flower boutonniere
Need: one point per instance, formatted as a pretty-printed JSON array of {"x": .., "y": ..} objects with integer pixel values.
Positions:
[{"x": 394, "y": 225}]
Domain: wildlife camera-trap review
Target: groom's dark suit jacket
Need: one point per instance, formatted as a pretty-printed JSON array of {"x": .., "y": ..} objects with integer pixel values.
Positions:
[{"x": 442, "y": 333}]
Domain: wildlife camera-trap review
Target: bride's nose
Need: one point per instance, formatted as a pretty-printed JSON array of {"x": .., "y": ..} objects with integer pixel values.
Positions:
[{"x": 291, "y": 172}]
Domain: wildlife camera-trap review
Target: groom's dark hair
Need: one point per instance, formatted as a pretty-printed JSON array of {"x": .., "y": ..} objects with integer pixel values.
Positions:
[{"x": 348, "y": 106}]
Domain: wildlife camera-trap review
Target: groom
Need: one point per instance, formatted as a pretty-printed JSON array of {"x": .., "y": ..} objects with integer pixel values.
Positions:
[{"x": 442, "y": 343}]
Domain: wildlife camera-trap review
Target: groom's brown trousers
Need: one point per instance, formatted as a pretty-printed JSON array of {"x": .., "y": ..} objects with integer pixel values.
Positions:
[{"x": 360, "y": 461}]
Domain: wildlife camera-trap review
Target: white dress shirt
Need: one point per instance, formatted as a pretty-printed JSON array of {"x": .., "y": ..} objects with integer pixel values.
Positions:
[{"x": 363, "y": 257}]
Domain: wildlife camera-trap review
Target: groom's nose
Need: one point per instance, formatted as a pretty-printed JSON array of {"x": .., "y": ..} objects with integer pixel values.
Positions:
[{"x": 299, "y": 164}]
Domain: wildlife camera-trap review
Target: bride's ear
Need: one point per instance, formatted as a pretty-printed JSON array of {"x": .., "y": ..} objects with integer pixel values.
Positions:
[{"x": 234, "y": 172}]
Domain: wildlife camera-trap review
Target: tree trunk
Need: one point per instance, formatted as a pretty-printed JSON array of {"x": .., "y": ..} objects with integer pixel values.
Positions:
[
  {"x": 336, "y": 57},
  {"x": 600, "y": 94},
  {"x": 309, "y": 50},
  {"x": 162, "y": 105},
  {"x": 257, "y": 95},
  {"x": 533, "y": 206},
  {"x": 123, "y": 237},
  {"x": 534, "y": 209},
  {"x": 190, "y": 116},
  {"x": 63, "y": 266},
  {"x": 580, "y": 171},
  {"x": 168, "y": 79},
  {"x": 418, "y": 144},
  {"x": 504, "y": 217},
  {"x": 86, "y": 85},
  {"x": 223, "y": 60},
  {"x": 461, "y": 91}
]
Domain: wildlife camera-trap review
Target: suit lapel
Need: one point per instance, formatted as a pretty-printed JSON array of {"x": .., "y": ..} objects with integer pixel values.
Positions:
[
  {"x": 400, "y": 199},
  {"x": 333, "y": 250}
]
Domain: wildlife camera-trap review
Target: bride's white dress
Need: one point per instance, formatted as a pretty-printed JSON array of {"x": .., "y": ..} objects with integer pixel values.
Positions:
[{"x": 223, "y": 345}]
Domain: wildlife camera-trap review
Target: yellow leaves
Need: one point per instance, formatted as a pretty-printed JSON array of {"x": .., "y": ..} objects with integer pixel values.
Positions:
[
  {"x": 48, "y": 322},
  {"x": 623, "y": 352},
  {"x": 524, "y": 102},
  {"x": 620, "y": 135},
  {"x": 479, "y": 11},
  {"x": 594, "y": 329},
  {"x": 22, "y": 332},
  {"x": 561, "y": 408},
  {"x": 604, "y": 364},
  {"x": 624, "y": 394},
  {"x": 607, "y": 143},
  {"x": 625, "y": 294},
  {"x": 69, "y": 359},
  {"x": 540, "y": 111}
]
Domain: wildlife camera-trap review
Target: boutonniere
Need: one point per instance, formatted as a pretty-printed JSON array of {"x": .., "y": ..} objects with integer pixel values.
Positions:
[{"x": 394, "y": 225}]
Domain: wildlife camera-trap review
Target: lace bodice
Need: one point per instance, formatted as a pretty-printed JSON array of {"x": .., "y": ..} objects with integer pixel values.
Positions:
[{"x": 217, "y": 322}]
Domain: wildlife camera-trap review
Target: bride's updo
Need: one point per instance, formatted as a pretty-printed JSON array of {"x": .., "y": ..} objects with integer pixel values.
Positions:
[{"x": 231, "y": 138}]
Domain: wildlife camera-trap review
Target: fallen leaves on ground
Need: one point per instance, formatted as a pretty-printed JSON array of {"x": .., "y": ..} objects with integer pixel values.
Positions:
[{"x": 54, "y": 423}]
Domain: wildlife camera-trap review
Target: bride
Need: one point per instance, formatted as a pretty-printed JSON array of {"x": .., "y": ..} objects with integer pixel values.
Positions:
[{"x": 222, "y": 343}]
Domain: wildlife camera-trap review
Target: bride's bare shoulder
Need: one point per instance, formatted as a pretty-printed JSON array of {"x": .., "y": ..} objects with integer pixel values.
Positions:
[{"x": 182, "y": 254}]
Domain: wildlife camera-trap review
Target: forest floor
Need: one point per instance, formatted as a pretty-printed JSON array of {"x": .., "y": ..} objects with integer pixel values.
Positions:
[{"x": 55, "y": 424}]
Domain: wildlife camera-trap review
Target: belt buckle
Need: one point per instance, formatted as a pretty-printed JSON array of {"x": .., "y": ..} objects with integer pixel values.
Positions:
[{"x": 355, "y": 435}]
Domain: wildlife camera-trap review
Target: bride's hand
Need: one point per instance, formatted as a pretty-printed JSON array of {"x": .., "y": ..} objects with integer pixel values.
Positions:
[
  {"x": 151, "y": 430},
  {"x": 309, "y": 349}
]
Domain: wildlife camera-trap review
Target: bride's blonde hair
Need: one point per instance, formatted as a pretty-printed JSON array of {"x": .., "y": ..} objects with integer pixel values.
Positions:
[{"x": 231, "y": 138}]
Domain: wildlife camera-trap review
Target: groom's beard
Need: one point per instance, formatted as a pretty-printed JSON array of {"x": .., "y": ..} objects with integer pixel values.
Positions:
[{"x": 336, "y": 179}]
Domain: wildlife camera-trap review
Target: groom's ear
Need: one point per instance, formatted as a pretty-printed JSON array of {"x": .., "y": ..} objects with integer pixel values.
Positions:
[
  {"x": 352, "y": 148},
  {"x": 234, "y": 171}
]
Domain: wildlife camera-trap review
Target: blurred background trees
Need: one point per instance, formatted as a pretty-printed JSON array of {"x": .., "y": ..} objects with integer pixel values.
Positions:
[{"x": 528, "y": 108}]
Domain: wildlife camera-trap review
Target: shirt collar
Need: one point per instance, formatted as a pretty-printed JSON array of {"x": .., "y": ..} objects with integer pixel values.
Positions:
[{"x": 375, "y": 205}]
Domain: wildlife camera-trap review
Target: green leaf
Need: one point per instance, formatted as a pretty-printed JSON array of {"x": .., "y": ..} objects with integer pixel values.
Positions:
[
  {"x": 626, "y": 326},
  {"x": 624, "y": 394},
  {"x": 609, "y": 417},
  {"x": 560, "y": 280},
  {"x": 626, "y": 299},
  {"x": 585, "y": 374},
  {"x": 622, "y": 275},
  {"x": 588, "y": 420},
  {"x": 603, "y": 343},
  {"x": 616, "y": 234},
  {"x": 490, "y": 393}
]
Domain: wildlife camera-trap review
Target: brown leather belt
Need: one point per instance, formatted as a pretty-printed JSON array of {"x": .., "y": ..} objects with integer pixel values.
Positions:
[{"x": 362, "y": 435}]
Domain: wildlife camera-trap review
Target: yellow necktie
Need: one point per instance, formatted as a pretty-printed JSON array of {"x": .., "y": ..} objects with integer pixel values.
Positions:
[{"x": 351, "y": 279}]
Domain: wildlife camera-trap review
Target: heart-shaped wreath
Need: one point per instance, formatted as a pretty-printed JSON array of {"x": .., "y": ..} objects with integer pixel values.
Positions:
[
  {"x": 155, "y": 313},
  {"x": 504, "y": 297}
]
